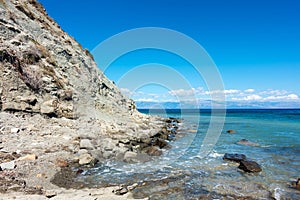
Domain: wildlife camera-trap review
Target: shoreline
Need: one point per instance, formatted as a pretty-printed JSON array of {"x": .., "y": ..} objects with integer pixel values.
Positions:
[{"x": 39, "y": 147}]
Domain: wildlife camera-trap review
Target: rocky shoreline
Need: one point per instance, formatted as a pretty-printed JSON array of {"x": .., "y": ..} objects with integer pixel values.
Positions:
[{"x": 37, "y": 151}]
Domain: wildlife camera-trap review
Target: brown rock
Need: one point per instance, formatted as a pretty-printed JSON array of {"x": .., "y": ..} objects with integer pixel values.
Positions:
[
  {"x": 231, "y": 131},
  {"x": 234, "y": 157},
  {"x": 249, "y": 166},
  {"x": 154, "y": 151},
  {"x": 60, "y": 162},
  {"x": 298, "y": 184},
  {"x": 29, "y": 157}
]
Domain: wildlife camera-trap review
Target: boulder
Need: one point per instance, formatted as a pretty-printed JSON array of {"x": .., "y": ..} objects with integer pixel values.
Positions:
[
  {"x": 298, "y": 184},
  {"x": 8, "y": 165},
  {"x": 154, "y": 151},
  {"x": 234, "y": 157},
  {"x": 86, "y": 159},
  {"x": 130, "y": 156},
  {"x": 249, "y": 166},
  {"x": 161, "y": 143},
  {"x": 86, "y": 144}
]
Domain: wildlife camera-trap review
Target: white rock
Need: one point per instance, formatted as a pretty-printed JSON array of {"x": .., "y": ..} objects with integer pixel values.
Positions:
[
  {"x": 85, "y": 159},
  {"x": 86, "y": 144},
  {"x": 14, "y": 130},
  {"x": 130, "y": 156},
  {"x": 7, "y": 165}
]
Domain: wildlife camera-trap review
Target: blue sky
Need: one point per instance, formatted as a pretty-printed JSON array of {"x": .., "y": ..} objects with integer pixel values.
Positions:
[{"x": 255, "y": 44}]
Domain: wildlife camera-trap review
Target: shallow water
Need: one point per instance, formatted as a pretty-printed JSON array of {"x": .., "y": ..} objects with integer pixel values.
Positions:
[{"x": 187, "y": 175}]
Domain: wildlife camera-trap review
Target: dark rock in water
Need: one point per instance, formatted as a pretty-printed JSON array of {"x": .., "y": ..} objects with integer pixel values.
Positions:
[
  {"x": 161, "y": 143},
  {"x": 234, "y": 157},
  {"x": 247, "y": 143},
  {"x": 171, "y": 137},
  {"x": 173, "y": 120},
  {"x": 250, "y": 166},
  {"x": 154, "y": 151},
  {"x": 298, "y": 184},
  {"x": 231, "y": 131}
]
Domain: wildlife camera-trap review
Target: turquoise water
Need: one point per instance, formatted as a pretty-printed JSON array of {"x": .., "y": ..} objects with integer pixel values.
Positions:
[{"x": 276, "y": 133}]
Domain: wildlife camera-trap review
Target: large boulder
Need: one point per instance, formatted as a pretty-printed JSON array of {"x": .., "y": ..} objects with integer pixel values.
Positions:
[
  {"x": 249, "y": 166},
  {"x": 234, "y": 157}
]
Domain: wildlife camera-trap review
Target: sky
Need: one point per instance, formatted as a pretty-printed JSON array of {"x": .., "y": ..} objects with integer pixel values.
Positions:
[{"x": 254, "y": 44}]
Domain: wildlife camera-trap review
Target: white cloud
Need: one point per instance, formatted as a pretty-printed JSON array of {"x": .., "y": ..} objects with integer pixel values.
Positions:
[
  {"x": 253, "y": 97},
  {"x": 249, "y": 91},
  {"x": 247, "y": 96},
  {"x": 282, "y": 97}
]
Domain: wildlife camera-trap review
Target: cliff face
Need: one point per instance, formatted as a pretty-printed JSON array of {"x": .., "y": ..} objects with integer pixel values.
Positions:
[{"x": 44, "y": 70}]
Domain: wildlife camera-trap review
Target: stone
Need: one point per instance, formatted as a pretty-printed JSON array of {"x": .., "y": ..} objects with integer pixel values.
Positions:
[
  {"x": 50, "y": 193},
  {"x": 60, "y": 162},
  {"x": 234, "y": 157},
  {"x": 8, "y": 165},
  {"x": 14, "y": 130},
  {"x": 130, "y": 156},
  {"x": 249, "y": 166},
  {"x": 86, "y": 144},
  {"x": 161, "y": 143},
  {"x": 247, "y": 143},
  {"x": 154, "y": 151},
  {"x": 49, "y": 107},
  {"x": 298, "y": 184},
  {"x": 231, "y": 131},
  {"x": 121, "y": 191},
  {"x": 29, "y": 157},
  {"x": 86, "y": 159}
]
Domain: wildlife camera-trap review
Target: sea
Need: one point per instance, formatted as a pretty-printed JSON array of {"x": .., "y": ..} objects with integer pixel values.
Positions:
[{"x": 194, "y": 167}]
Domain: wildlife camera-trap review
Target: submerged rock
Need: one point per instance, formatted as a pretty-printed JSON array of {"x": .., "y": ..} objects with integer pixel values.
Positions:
[
  {"x": 298, "y": 184},
  {"x": 247, "y": 143},
  {"x": 154, "y": 151},
  {"x": 231, "y": 131},
  {"x": 234, "y": 157},
  {"x": 249, "y": 166}
]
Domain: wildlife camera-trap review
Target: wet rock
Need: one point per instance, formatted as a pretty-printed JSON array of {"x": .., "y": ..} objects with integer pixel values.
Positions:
[
  {"x": 247, "y": 143},
  {"x": 298, "y": 184},
  {"x": 29, "y": 157},
  {"x": 234, "y": 157},
  {"x": 154, "y": 151},
  {"x": 162, "y": 143},
  {"x": 86, "y": 144},
  {"x": 276, "y": 194},
  {"x": 130, "y": 156},
  {"x": 8, "y": 165},
  {"x": 49, "y": 194},
  {"x": 249, "y": 166},
  {"x": 86, "y": 159},
  {"x": 231, "y": 131}
]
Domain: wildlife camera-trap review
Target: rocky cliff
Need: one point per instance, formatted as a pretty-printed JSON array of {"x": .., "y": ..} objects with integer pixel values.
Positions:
[
  {"x": 46, "y": 71},
  {"x": 51, "y": 88}
]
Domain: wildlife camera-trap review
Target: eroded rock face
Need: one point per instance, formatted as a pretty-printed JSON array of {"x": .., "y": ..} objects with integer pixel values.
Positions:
[{"x": 44, "y": 70}]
